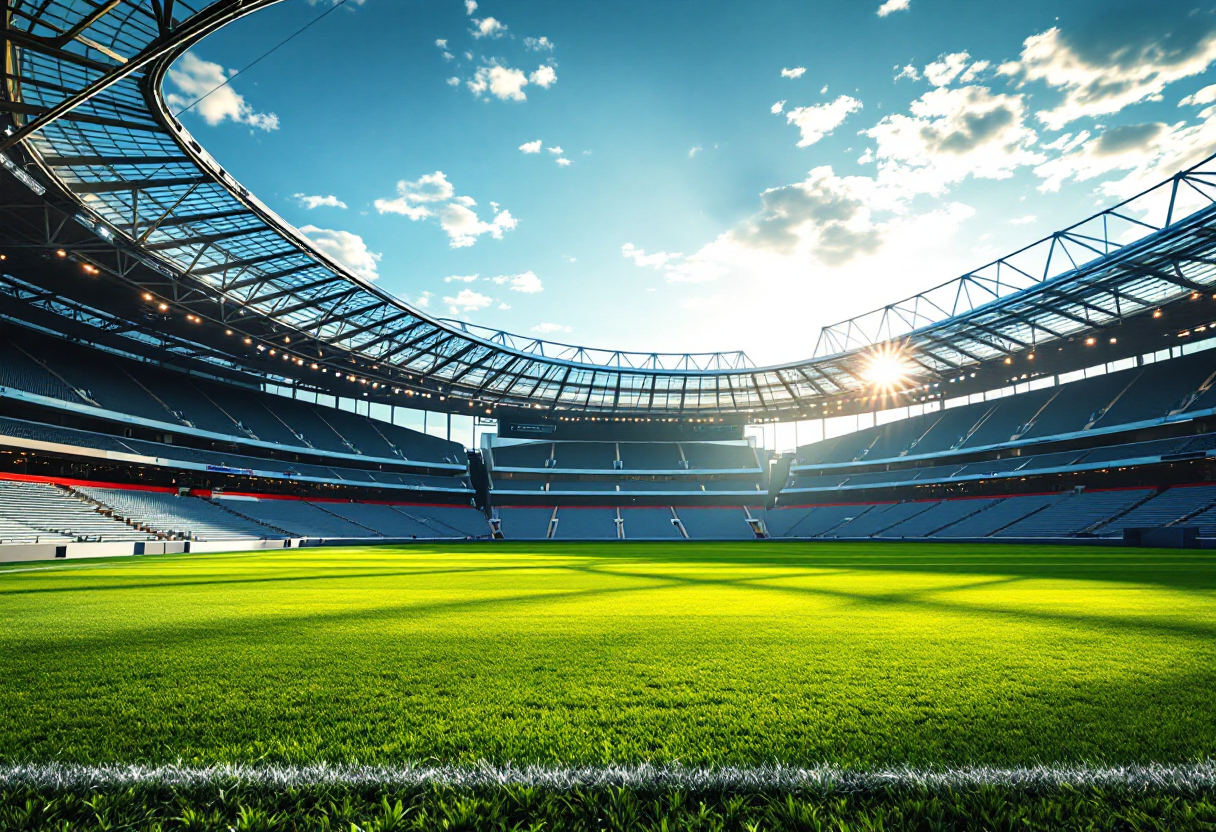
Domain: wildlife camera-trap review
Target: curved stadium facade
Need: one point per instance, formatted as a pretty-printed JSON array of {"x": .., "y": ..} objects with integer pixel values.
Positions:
[{"x": 150, "y": 304}]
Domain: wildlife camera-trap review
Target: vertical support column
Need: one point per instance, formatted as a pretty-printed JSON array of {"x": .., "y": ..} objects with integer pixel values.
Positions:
[{"x": 449, "y": 427}]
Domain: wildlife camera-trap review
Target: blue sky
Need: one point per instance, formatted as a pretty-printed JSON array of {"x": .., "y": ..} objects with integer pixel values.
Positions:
[{"x": 702, "y": 176}]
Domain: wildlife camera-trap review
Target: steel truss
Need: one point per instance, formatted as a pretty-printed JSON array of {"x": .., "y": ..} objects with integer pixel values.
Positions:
[{"x": 83, "y": 85}]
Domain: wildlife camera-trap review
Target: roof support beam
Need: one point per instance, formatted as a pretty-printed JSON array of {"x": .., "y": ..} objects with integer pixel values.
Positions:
[
  {"x": 187, "y": 219},
  {"x": 39, "y": 45},
  {"x": 98, "y": 161},
  {"x": 241, "y": 264},
  {"x": 135, "y": 185},
  {"x": 24, "y": 109},
  {"x": 308, "y": 303},
  {"x": 373, "y": 324},
  {"x": 207, "y": 239},
  {"x": 254, "y": 297},
  {"x": 499, "y": 373},
  {"x": 389, "y": 336},
  {"x": 269, "y": 277},
  {"x": 413, "y": 342},
  {"x": 111, "y": 75},
  {"x": 336, "y": 314},
  {"x": 468, "y": 368},
  {"x": 1063, "y": 314}
]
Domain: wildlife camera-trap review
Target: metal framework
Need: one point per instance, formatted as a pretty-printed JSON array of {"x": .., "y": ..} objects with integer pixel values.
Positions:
[{"x": 83, "y": 85}]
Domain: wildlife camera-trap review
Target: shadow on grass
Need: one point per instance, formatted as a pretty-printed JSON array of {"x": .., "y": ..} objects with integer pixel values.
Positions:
[
  {"x": 921, "y": 599},
  {"x": 1190, "y": 570},
  {"x": 185, "y": 634},
  {"x": 332, "y": 575}
]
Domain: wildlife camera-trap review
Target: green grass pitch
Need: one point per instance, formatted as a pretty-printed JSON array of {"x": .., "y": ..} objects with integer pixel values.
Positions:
[{"x": 861, "y": 655}]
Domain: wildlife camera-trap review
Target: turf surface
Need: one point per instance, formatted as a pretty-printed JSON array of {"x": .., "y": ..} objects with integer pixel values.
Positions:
[{"x": 857, "y": 654}]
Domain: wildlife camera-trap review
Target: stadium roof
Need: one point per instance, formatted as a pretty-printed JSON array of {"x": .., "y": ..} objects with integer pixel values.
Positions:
[{"x": 84, "y": 87}]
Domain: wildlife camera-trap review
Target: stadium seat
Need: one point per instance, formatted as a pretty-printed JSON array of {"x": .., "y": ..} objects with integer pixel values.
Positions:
[
  {"x": 715, "y": 523},
  {"x": 649, "y": 524},
  {"x": 520, "y": 523}
]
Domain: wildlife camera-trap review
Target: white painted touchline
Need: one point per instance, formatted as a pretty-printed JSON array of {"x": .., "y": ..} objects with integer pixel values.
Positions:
[{"x": 1155, "y": 777}]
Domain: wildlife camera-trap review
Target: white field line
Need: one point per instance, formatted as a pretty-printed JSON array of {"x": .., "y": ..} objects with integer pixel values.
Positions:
[
  {"x": 59, "y": 568},
  {"x": 1190, "y": 777}
]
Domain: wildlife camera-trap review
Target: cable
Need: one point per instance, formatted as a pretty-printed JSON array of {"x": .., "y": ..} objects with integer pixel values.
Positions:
[{"x": 266, "y": 54}]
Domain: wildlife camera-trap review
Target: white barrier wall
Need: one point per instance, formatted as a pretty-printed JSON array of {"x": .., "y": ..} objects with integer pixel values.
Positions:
[{"x": 21, "y": 552}]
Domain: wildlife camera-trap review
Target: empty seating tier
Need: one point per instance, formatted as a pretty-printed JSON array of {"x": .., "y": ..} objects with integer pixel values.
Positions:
[
  {"x": 525, "y": 523},
  {"x": 1165, "y": 509},
  {"x": 57, "y": 369},
  {"x": 649, "y": 524},
  {"x": 716, "y": 523},
  {"x": 1135, "y": 396},
  {"x": 54, "y": 511},
  {"x": 1074, "y": 513},
  {"x": 188, "y": 517}
]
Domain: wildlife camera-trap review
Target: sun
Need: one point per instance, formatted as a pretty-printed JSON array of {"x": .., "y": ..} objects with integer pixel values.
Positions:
[{"x": 886, "y": 367}]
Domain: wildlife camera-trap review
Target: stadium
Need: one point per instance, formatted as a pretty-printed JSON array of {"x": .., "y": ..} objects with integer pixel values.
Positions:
[{"x": 228, "y": 566}]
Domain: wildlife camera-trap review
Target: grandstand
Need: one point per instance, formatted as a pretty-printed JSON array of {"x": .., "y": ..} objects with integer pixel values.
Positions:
[{"x": 177, "y": 364}]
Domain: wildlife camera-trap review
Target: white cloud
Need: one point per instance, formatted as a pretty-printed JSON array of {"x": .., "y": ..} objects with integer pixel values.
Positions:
[
  {"x": 507, "y": 84},
  {"x": 448, "y": 56},
  {"x": 796, "y": 72},
  {"x": 541, "y": 44},
  {"x": 531, "y": 147},
  {"x": 195, "y": 78},
  {"x": 953, "y": 133},
  {"x": 778, "y": 107},
  {"x": 527, "y": 282},
  {"x": 893, "y": 6},
  {"x": 502, "y": 305},
  {"x": 453, "y": 81},
  {"x": 1099, "y": 77},
  {"x": 564, "y": 162},
  {"x": 488, "y": 28},
  {"x": 311, "y": 202},
  {"x": 831, "y": 214},
  {"x": 641, "y": 258},
  {"x": 470, "y": 6},
  {"x": 433, "y": 195},
  {"x": 460, "y": 278},
  {"x": 694, "y": 150},
  {"x": 464, "y": 226},
  {"x": 946, "y": 68},
  {"x": 423, "y": 300},
  {"x": 1149, "y": 153},
  {"x": 503, "y": 83},
  {"x": 1026, "y": 220},
  {"x": 466, "y": 301},
  {"x": 819, "y": 120},
  {"x": 442, "y": 43},
  {"x": 549, "y": 328},
  {"x": 556, "y": 150},
  {"x": 544, "y": 77},
  {"x": 1204, "y": 96},
  {"x": 346, "y": 248},
  {"x": 908, "y": 71},
  {"x": 413, "y": 197}
]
